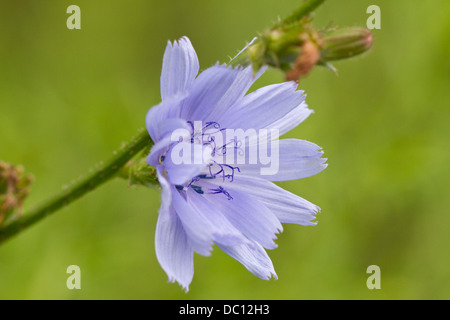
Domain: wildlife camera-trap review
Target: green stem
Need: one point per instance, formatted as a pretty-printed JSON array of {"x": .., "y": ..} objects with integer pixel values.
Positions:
[
  {"x": 72, "y": 193},
  {"x": 306, "y": 8}
]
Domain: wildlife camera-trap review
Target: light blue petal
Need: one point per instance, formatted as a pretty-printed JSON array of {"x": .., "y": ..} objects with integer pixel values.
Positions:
[
  {"x": 287, "y": 207},
  {"x": 203, "y": 222},
  {"x": 220, "y": 229},
  {"x": 180, "y": 67},
  {"x": 291, "y": 120},
  {"x": 197, "y": 229},
  {"x": 172, "y": 125},
  {"x": 172, "y": 249},
  {"x": 157, "y": 117},
  {"x": 262, "y": 107},
  {"x": 246, "y": 214},
  {"x": 165, "y": 131},
  {"x": 180, "y": 171},
  {"x": 213, "y": 88},
  {"x": 253, "y": 257},
  {"x": 297, "y": 159},
  {"x": 157, "y": 150},
  {"x": 243, "y": 81}
]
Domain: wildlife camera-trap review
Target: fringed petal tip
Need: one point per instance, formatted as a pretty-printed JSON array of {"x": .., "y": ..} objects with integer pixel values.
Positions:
[
  {"x": 313, "y": 211},
  {"x": 184, "y": 286},
  {"x": 271, "y": 276},
  {"x": 180, "y": 67}
]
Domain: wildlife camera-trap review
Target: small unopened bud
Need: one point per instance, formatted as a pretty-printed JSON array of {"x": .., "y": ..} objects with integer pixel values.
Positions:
[
  {"x": 14, "y": 188},
  {"x": 296, "y": 48},
  {"x": 345, "y": 43},
  {"x": 138, "y": 172},
  {"x": 293, "y": 49}
]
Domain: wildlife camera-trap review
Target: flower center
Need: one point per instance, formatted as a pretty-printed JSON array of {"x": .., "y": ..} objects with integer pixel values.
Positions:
[{"x": 212, "y": 135}]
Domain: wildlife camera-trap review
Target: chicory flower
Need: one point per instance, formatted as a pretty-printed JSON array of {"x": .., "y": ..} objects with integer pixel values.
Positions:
[{"x": 216, "y": 154}]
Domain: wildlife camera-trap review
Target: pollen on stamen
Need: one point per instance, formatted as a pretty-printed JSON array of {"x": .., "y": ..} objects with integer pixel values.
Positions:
[{"x": 197, "y": 189}]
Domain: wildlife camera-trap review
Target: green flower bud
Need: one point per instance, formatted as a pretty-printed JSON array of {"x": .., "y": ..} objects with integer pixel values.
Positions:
[
  {"x": 297, "y": 47},
  {"x": 293, "y": 49},
  {"x": 345, "y": 43},
  {"x": 138, "y": 172}
]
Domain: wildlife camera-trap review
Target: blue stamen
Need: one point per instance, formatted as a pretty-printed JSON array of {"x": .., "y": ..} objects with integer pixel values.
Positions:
[
  {"x": 220, "y": 189},
  {"x": 197, "y": 189},
  {"x": 222, "y": 170},
  {"x": 225, "y": 170},
  {"x": 223, "y": 149},
  {"x": 193, "y": 180},
  {"x": 205, "y": 176},
  {"x": 211, "y": 123},
  {"x": 231, "y": 176}
]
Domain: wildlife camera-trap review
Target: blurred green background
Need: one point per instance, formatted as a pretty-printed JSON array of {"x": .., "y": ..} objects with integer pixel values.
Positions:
[{"x": 68, "y": 98}]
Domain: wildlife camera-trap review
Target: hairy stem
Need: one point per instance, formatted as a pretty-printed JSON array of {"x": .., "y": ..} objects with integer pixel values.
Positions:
[
  {"x": 306, "y": 8},
  {"x": 73, "y": 192}
]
